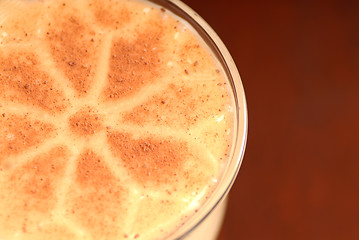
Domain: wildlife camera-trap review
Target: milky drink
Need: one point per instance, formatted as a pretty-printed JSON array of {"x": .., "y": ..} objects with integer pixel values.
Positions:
[{"x": 115, "y": 120}]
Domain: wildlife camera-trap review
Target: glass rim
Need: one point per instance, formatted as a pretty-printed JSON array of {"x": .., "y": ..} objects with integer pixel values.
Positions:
[{"x": 240, "y": 130}]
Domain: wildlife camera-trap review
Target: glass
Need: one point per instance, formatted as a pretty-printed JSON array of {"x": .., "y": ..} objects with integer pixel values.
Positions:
[{"x": 209, "y": 218}]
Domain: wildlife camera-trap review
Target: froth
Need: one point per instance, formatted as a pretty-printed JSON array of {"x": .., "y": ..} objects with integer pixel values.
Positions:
[{"x": 115, "y": 120}]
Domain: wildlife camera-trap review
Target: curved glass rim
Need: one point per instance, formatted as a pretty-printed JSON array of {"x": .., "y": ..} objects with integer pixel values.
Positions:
[{"x": 213, "y": 41}]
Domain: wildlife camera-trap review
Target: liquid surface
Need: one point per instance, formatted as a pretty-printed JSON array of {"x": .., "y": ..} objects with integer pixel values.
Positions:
[{"x": 115, "y": 120}]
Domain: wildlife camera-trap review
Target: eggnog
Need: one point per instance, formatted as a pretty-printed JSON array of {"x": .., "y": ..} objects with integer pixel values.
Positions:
[{"x": 116, "y": 120}]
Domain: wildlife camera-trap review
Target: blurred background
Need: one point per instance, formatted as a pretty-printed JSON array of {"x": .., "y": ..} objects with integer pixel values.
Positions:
[{"x": 299, "y": 63}]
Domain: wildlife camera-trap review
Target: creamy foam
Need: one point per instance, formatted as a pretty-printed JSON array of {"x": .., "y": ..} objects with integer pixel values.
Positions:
[{"x": 115, "y": 120}]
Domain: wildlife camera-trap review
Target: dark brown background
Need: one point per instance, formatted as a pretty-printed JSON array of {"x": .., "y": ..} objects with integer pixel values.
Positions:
[{"x": 299, "y": 63}]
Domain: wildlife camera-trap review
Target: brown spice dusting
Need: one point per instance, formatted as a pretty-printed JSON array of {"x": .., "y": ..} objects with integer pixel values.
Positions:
[
  {"x": 71, "y": 63},
  {"x": 186, "y": 71},
  {"x": 95, "y": 190},
  {"x": 92, "y": 173},
  {"x": 20, "y": 134},
  {"x": 85, "y": 122},
  {"x": 70, "y": 46},
  {"x": 149, "y": 159},
  {"x": 18, "y": 73},
  {"x": 110, "y": 14},
  {"x": 133, "y": 65},
  {"x": 178, "y": 99},
  {"x": 32, "y": 187}
]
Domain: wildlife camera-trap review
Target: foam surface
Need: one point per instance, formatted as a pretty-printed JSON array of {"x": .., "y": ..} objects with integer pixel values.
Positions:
[{"x": 115, "y": 120}]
